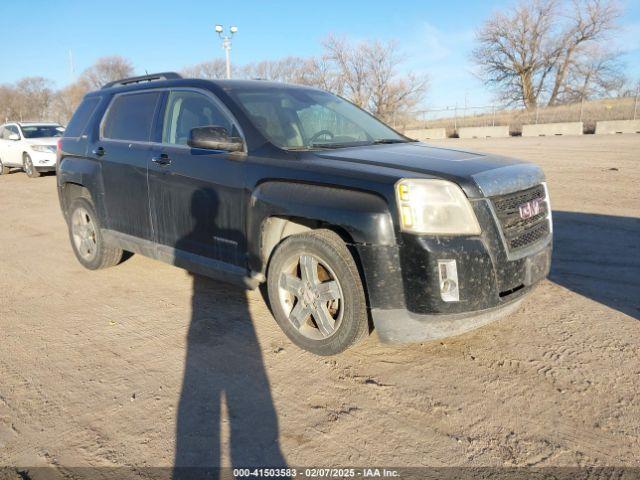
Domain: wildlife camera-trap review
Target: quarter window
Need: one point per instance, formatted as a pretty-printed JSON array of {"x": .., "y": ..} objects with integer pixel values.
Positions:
[
  {"x": 130, "y": 117},
  {"x": 81, "y": 117},
  {"x": 188, "y": 110}
]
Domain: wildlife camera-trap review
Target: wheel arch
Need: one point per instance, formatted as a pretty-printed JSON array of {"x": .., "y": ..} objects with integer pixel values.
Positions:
[
  {"x": 72, "y": 190},
  {"x": 275, "y": 229},
  {"x": 75, "y": 177},
  {"x": 281, "y": 209}
]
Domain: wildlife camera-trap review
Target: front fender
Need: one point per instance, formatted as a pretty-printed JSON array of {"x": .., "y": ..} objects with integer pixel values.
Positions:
[{"x": 364, "y": 216}]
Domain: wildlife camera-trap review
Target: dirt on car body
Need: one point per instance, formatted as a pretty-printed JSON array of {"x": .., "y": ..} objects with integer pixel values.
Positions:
[{"x": 117, "y": 367}]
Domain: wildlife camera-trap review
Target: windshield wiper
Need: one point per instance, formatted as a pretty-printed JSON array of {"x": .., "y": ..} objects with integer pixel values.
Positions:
[
  {"x": 306, "y": 148},
  {"x": 381, "y": 141},
  {"x": 338, "y": 145}
]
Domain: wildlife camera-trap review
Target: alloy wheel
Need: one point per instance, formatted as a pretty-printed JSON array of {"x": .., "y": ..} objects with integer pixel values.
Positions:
[
  {"x": 84, "y": 234},
  {"x": 28, "y": 166},
  {"x": 311, "y": 296}
]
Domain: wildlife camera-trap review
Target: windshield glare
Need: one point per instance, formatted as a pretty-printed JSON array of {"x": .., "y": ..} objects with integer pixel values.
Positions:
[
  {"x": 42, "y": 131},
  {"x": 306, "y": 119}
]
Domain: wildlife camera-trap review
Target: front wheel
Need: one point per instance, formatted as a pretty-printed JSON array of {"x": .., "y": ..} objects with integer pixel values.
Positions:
[
  {"x": 3, "y": 169},
  {"x": 86, "y": 238},
  {"x": 27, "y": 166},
  {"x": 316, "y": 293}
]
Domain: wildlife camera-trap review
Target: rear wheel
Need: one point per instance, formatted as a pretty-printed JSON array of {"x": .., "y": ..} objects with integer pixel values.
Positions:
[
  {"x": 27, "y": 165},
  {"x": 316, "y": 293},
  {"x": 86, "y": 237}
]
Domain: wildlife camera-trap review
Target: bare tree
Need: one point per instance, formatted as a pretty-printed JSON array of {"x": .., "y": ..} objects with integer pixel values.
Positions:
[
  {"x": 591, "y": 22},
  {"x": 368, "y": 74},
  {"x": 592, "y": 74},
  {"x": 514, "y": 51},
  {"x": 629, "y": 89},
  {"x": 208, "y": 70},
  {"x": 323, "y": 75},
  {"x": 67, "y": 100},
  {"x": 288, "y": 70},
  {"x": 531, "y": 53},
  {"x": 391, "y": 95},
  {"x": 9, "y": 109},
  {"x": 32, "y": 98},
  {"x": 350, "y": 64},
  {"x": 106, "y": 69}
]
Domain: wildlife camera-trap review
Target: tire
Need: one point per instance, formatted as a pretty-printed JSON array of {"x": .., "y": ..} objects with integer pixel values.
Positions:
[
  {"x": 86, "y": 237},
  {"x": 325, "y": 313},
  {"x": 27, "y": 166},
  {"x": 3, "y": 170}
]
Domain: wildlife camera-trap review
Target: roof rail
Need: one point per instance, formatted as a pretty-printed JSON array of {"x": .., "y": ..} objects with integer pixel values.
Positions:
[{"x": 143, "y": 78}]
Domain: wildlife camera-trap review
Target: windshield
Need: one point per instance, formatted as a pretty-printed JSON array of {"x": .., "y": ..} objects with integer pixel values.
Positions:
[
  {"x": 293, "y": 118},
  {"x": 42, "y": 131}
]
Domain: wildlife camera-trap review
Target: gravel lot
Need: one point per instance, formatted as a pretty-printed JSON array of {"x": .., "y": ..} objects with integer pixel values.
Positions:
[{"x": 144, "y": 364}]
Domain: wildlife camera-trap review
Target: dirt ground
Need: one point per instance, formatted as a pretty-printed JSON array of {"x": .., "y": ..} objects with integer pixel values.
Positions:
[{"x": 144, "y": 364}]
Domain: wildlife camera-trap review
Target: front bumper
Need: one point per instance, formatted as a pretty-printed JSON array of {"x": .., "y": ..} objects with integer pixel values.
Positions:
[
  {"x": 403, "y": 326},
  {"x": 43, "y": 162},
  {"x": 423, "y": 315},
  {"x": 403, "y": 285}
]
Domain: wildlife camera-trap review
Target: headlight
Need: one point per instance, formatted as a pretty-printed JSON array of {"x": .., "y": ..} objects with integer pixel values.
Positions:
[
  {"x": 435, "y": 207},
  {"x": 42, "y": 148}
]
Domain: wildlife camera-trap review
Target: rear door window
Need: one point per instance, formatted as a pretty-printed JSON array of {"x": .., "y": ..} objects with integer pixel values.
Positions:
[
  {"x": 81, "y": 117},
  {"x": 130, "y": 117}
]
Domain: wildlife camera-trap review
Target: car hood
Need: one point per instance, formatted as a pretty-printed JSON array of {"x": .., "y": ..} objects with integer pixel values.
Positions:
[
  {"x": 42, "y": 141},
  {"x": 478, "y": 174}
]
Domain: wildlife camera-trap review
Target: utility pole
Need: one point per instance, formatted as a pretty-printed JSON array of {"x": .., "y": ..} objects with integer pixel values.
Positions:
[
  {"x": 226, "y": 44},
  {"x": 72, "y": 69}
]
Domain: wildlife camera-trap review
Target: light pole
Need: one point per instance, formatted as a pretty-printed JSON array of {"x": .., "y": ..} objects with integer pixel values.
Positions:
[{"x": 226, "y": 44}]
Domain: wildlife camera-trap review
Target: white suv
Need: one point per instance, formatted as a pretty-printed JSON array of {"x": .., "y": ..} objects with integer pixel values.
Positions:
[{"x": 30, "y": 146}]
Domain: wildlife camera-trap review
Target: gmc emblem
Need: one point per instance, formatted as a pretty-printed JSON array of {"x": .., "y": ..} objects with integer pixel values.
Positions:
[{"x": 530, "y": 209}]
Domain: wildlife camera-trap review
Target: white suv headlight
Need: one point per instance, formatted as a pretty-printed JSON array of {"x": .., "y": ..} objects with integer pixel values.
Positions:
[
  {"x": 42, "y": 148},
  {"x": 435, "y": 207}
]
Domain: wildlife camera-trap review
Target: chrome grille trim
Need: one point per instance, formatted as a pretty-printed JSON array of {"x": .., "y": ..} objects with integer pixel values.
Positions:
[{"x": 519, "y": 234}]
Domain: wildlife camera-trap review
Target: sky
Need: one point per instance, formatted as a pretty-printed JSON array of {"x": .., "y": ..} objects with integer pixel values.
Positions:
[{"x": 435, "y": 37}]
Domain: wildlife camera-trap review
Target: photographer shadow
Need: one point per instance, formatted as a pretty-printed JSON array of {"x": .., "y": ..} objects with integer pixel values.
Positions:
[{"x": 223, "y": 366}]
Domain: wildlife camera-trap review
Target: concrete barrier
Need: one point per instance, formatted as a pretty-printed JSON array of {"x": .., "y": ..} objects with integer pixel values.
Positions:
[
  {"x": 483, "y": 132},
  {"x": 609, "y": 127},
  {"x": 550, "y": 129},
  {"x": 427, "y": 133}
]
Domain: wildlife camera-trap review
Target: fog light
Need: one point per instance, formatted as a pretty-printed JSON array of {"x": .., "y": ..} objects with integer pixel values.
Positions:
[{"x": 448, "y": 273}]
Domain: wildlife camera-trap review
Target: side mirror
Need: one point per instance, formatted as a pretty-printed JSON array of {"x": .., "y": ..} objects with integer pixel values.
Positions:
[
  {"x": 14, "y": 136},
  {"x": 213, "y": 137}
]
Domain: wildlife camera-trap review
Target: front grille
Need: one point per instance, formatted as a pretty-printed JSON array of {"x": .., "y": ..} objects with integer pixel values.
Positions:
[{"x": 521, "y": 232}]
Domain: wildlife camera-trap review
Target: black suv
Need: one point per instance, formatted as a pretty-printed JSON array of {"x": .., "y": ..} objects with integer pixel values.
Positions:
[{"x": 352, "y": 225}]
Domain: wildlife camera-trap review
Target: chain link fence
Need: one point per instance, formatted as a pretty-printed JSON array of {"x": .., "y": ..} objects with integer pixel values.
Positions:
[{"x": 589, "y": 112}]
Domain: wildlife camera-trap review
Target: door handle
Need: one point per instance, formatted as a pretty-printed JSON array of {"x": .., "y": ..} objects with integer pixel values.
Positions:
[
  {"x": 162, "y": 160},
  {"x": 99, "y": 151}
]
